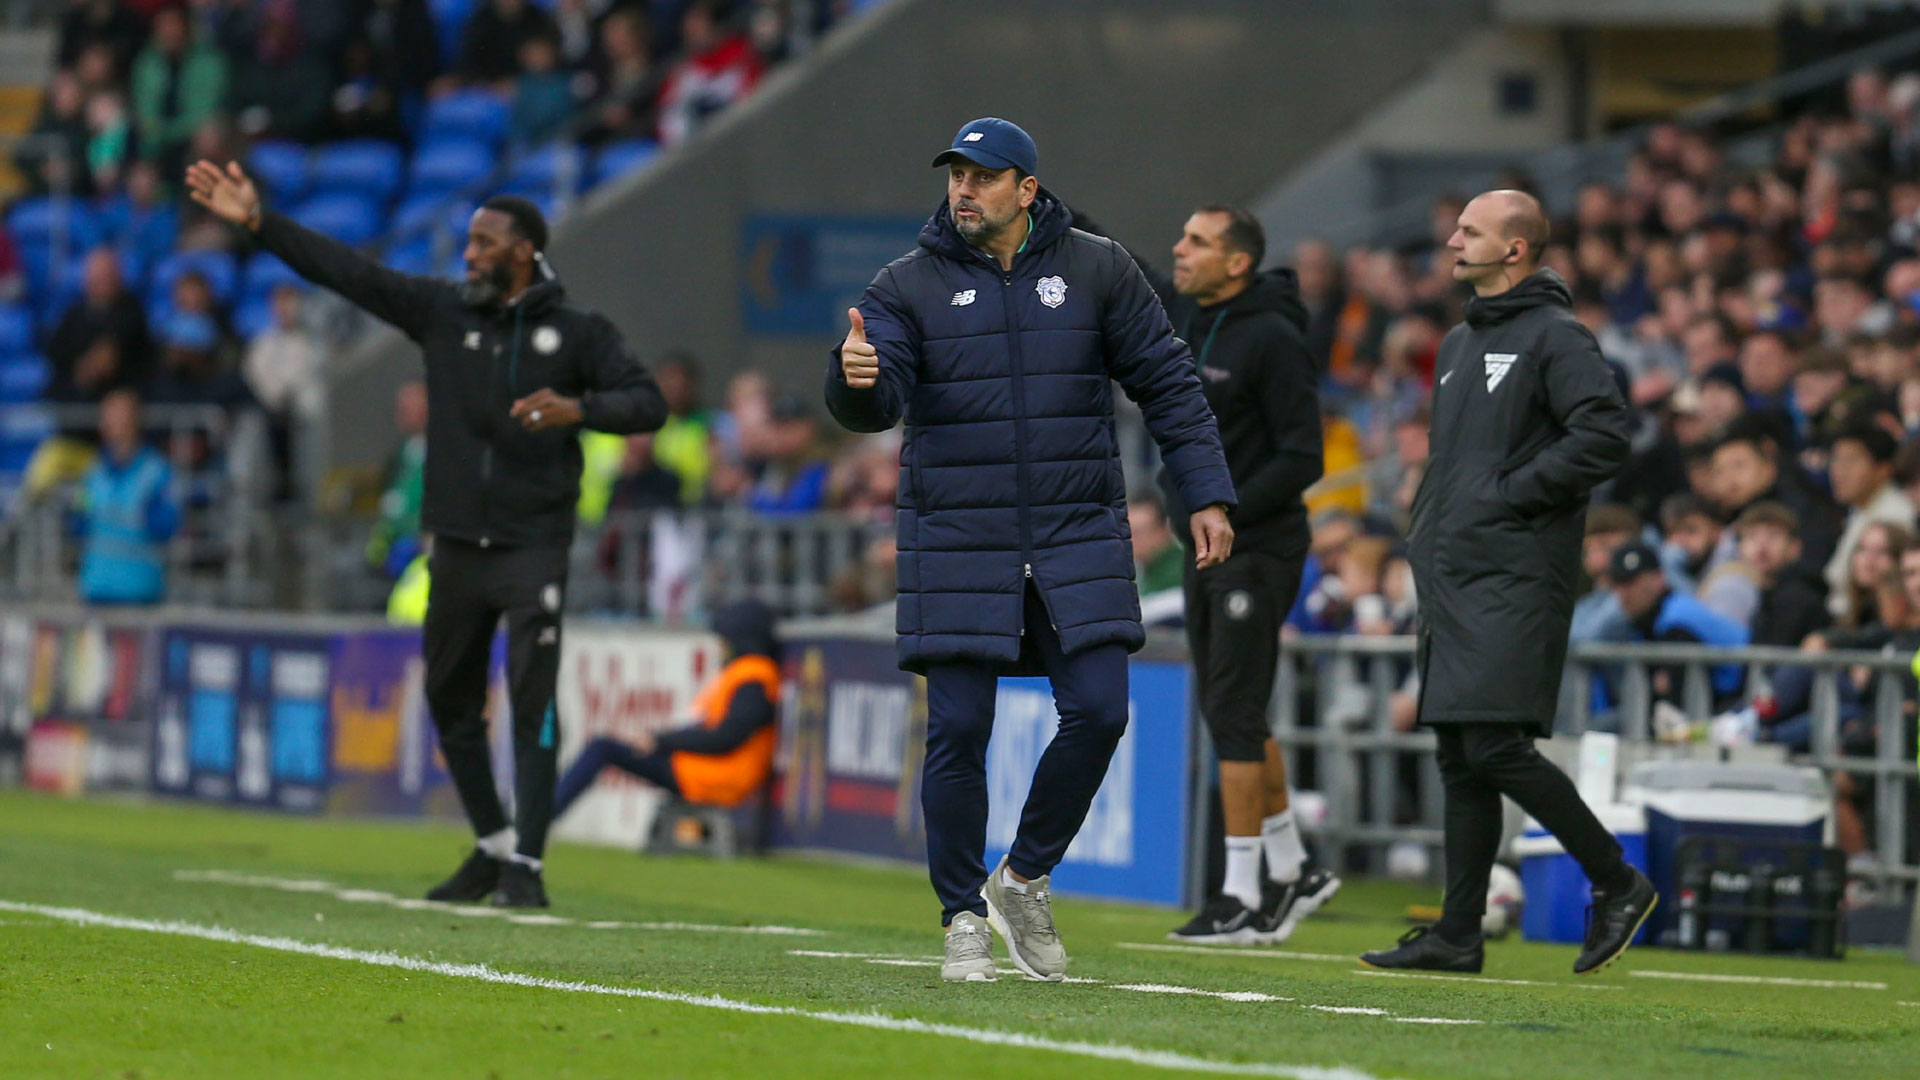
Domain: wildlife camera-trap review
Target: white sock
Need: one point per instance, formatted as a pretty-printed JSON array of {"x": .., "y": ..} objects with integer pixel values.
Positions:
[
  {"x": 1243, "y": 870},
  {"x": 527, "y": 861},
  {"x": 1014, "y": 883},
  {"x": 499, "y": 845},
  {"x": 1282, "y": 841}
]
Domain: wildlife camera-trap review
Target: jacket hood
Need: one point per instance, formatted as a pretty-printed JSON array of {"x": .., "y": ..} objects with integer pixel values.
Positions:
[
  {"x": 1277, "y": 291},
  {"x": 1538, "y": 289},
  {"x": 747, "y": 628},
  {"x": 1051, "y": 220}
]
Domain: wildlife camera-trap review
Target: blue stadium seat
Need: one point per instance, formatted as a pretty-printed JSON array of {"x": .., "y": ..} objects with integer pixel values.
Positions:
[
  {"x": 450, "y": 26},
  {"x": 21, "y": 433},
  {"x": 264, "y": 273},
  {"x": 218, "y": 267},
  {"x": 369, "y": 167},
  {"x": 622, "y": 157},
  {"x": 253, "y": 317},
  {"x": 350, "y": 219},
  {"x": 16, "y": 328},
  {"x": 469, "y": 114},
  {"x": 282, "y": 167},
  {"x": 32, "y": 221},
  {"x": 539, "y": 171},
  {"x": 450, "y": 164},
  {"x": 412, "y": 256},
  {"x": 23, "y": 377},
  {"x": 418, "y": 212}
]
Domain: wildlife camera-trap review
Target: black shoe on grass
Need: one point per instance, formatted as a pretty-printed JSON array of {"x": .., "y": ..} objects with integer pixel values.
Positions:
[
  {"x": 1612, "y": 921},
  {"x": 1421, "y": 949},
  {"x": 475, "y": 880},
  {"x": 519, "y": 887},
  {"x": 1224, "y": 921}
]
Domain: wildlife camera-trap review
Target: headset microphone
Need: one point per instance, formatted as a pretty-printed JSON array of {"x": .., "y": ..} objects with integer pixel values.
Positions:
[{"x": 1508, "y": 257}]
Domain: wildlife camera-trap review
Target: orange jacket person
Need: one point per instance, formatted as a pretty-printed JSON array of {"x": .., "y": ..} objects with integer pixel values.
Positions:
[{"x": 725, "y": 757}]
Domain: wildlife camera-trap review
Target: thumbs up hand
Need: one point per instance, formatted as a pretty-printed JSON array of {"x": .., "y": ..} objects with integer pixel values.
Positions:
[{"x": 859, "y": 362}]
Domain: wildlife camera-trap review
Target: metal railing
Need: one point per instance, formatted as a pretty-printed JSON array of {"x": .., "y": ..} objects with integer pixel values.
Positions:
[{"x": 1333, "y": 699}]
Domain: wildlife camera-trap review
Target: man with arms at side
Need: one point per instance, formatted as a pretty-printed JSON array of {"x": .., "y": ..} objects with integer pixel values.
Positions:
[{"x": 1527, "y": 421}]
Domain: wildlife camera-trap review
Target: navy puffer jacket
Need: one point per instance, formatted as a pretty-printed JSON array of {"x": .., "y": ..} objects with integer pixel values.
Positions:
[{"x": 1010, "y": 470}]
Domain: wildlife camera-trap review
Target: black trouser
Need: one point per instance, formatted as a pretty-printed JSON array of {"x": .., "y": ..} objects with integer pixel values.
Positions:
[
  {"x": 1234, "y": 613},
  {"x": 472, "y": 587},
  {"x": 656, "y": 767},
  {"x": 1090, "y": 693},
  {"x": 1481, "y": 762}
]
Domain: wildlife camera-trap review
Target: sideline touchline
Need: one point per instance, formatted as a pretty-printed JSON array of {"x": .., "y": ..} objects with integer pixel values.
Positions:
[{"x": 1132, "y": 1055}]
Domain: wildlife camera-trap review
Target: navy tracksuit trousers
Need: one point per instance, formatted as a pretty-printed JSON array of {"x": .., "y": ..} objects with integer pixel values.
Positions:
[{"x": 1090, "y": 693}]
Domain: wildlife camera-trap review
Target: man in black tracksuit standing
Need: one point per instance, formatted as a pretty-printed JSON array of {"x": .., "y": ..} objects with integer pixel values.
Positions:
[
  {"x": 1247, "y": 333},
  {"x": 512, "y": 372},
  {"x": 1526, "y": 421}
]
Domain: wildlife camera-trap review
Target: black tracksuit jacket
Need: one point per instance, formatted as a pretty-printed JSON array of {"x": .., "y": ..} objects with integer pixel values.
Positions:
[
  {"x": 489, "y": 481},
  {"x": 1263, "y": 385}
]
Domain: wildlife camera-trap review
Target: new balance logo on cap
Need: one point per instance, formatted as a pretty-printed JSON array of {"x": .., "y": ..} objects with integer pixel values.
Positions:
[
  {"x": 974, "y": 136},
  {"x": 962, "y": 299}
]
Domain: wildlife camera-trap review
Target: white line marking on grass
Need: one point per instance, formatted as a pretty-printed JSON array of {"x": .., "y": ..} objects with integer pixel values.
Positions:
[
  {"x": 1482, "y": 979},
  {"x": 1229, "y": 950},
  {"x": 1133, "y": 1055},
  {"x": 825, "y": 955},
  {"x": 1351, "y": 1010},
  {"x": 375, "y": 896},
  {"x": 1915, "y": 1004},
  {"x": 1432, "y": 1020},
  {"x": 1223, "y": 995},
  {"x": 1761, "y": 980}
]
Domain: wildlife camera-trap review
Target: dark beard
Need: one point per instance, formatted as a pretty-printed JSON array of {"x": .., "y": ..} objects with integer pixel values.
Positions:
[
  {"x": 488, "y": 290},
  {"x": 983, "y": 232}
]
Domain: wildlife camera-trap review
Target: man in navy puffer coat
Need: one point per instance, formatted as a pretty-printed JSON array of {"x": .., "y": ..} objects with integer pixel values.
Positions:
[{"x": 999, "y": 339}]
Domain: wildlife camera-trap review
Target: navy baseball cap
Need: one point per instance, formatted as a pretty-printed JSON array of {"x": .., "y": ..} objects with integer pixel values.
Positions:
[
  {"x": 995, "y": 143},
  {"x": 1631, "y": 560}
]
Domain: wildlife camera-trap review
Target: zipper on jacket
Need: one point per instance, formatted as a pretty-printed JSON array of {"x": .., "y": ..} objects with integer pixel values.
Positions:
[
  {"x": 1019, "y": 429},
  {"x": 486, "y": 452}
]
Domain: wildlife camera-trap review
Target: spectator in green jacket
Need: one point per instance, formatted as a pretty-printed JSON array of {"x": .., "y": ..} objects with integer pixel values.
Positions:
[
  {"x": 1159, "y": 561},
  {"x": 178, "y": 84}
]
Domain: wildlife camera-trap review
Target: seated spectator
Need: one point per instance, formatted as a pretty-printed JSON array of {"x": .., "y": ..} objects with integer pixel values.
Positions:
[
  {"x": 395, "y": 540},
  {"x": 490, "y": 49},
  {"x": 403, "y": 52},
  {"x": 718, "y": 68},
  {"x": 794, "y": 478},
  {"x": 1700, "y": 557},
  {"x": 55, "y": 158},
  {"x": 125, "y": 512},
  {"x": 1159, "y": 561},
  {"x": 109, "y": 141},
  {"x": 726, "y": 754},
  {"x": 364, "y": 104},
  {"x": 740, "y": 435},
  {"x": 542, "y": 93},
  {"x": 1657, "y": 612},
  {"x": 684, "y": 444},
  {"x": 1748, "y": 469},
  {"x": 866, "y": 481},
  {"x": 193, "y": 295},
  {"x": 143, "y": 221},
  {"x": 1792, "y": 602},
  {"x": 1597, "y": 615},
  {"x": 101, "y": 342},
  {"x": 178, "y": 84},
  {"x": 625, "y": 83},
  {"x": 87, "y": 23},
  {"x": 1768, "y": 363},
  {"x": 191, "y": 372},
  {"x": 280, "y": 85},
  {"x": 1862, "y": 472},
  {"x": 284, "y": 369},
  {"x": 1333, "y": 532}
]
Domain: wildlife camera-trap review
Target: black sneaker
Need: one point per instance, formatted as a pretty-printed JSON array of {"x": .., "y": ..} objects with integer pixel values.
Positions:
[
  {"x": 1284, "y": 906},
  {"x": 1421, "y": 949},
  {"x": 519, "y": 887},
  {"x": 475, "y": 880},
  {"x": 1616, "y": 915},
  {"x": 1224, "y": 921}
]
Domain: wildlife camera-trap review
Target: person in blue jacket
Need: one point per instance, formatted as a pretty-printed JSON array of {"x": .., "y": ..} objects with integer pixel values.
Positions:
[
  {"x": 998, "y": 339},
  {"x": 125, "y": 513},
  {"x": 1659, "y": 612}
]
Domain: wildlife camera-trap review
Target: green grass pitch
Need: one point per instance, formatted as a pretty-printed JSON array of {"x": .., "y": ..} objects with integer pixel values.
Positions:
[{"x": 156, "y": 940}]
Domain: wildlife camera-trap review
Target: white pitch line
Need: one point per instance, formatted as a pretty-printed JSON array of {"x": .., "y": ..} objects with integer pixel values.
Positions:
[
  {"x": 1228, "y": 950},
  {"x": 1432, "y": 1020},
  {"x": 1223, "y": 995},
  {"x": 1351, "y": 1010},
  {"x": 375, "y": 896},
  {"x": 1132, "y": 1055},
  {"x": 1915, "y": 1004},
  {"x": 1481, "y": 979},
  {"x": 1761, "y": 980}
]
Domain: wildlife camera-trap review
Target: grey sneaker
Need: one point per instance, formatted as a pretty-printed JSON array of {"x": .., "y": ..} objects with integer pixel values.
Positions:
[
  {"x": 969, "y": 950},
  {"x": 1025, "y": 920}
]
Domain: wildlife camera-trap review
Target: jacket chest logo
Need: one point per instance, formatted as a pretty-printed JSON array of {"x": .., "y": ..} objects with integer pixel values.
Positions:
[
  {"x": 546, "y": 341},
  {"x": 1052, "y": 290},
  {"x": 963, "y": 298},
  {"x": 1498, "y": 364},
  {"x": 473, "y": 339}
]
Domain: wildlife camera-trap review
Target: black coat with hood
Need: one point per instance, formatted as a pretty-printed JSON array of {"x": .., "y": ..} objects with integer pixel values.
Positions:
[
  {"x": 490, "y": 481},
  {"x": 1527, "y": 420},
  {"x": 1262, "y": 381}
]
